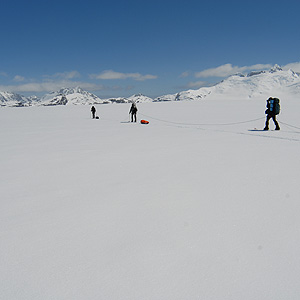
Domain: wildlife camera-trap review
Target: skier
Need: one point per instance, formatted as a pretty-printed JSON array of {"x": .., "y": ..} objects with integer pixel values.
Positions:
[
  {"x": 133, "y": 111},
  {"x": 93, "y": 110},
  {"x": 273, "y": 109}
]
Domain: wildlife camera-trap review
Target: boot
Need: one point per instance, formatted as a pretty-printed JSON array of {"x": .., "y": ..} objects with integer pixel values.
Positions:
[{"x": 266, "y": 128}]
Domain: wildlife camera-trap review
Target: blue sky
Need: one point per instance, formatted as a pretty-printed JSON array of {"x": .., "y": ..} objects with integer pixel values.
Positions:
[{"x": 119, "y": 48}]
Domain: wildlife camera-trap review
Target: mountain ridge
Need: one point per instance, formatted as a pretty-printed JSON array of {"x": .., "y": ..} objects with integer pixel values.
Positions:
[{"x": 253, "y": 84}]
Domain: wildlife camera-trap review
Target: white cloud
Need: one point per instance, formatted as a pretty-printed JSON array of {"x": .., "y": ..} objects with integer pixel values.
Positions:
[
  {"x": 110, "y": 75},
  {"x": 50, "y": 86},
  {"x": 294, "y": 66},
  {"x": 3, "y": 74},
  {"x": 64, "y": 75},
  {"x": 19, "y": 78},
  {"x": 184, "y": 74},
  {"x": 229, "y": 69},
  {"x": 196, "y": 84}
]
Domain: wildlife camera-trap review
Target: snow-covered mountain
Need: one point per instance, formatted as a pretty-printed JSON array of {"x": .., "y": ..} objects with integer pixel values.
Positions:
[
  {"x": 169, "y": 97},
  {"x": 274, "y": 82},
  {"x": 67, "y": 96},
  {"x": 62, "y": 97},
  {"x": 13, "y": 99},
  {"x": 137, "y": 98},
  {"x": 260, "y": 83},
  {"x": 264, "y": 83}
]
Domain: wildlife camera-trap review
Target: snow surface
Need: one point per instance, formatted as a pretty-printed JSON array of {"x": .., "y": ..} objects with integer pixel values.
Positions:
[{"x": 107, "y": 209}]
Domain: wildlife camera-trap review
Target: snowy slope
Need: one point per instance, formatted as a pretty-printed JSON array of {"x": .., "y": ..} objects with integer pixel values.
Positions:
[{"x": 106, "y": 209}]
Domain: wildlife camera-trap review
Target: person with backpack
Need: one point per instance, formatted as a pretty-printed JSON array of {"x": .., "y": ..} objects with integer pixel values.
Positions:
[
  {"x": 93, "y": 110},
  {"x": 273, "y": 109},
  {"x": 133, "y": 111}
]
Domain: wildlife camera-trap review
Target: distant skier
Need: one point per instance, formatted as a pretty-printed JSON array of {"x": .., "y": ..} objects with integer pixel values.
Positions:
[
  {"x": 93, "y": 110},
  {"x": 273, "y": 109},
  {"x": 133, "y": 111}
]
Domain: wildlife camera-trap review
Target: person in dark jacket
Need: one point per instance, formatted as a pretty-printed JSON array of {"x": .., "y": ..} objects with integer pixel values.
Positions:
[
  {"x": 93, "y": 110},
  {"x": 133, "y": 111},
  {"x": 273, "y": 108}
]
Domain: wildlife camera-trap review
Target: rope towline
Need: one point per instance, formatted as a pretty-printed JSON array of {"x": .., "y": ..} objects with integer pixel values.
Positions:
[
  {"x": 289, "y": 125},
  {"x": 214, "y": 124},
  {"x": 203, "y": 124}
]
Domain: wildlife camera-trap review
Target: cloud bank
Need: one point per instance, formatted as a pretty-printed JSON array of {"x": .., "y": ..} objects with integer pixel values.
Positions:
[
  {"x": 54, "y": 82},
  {"x": 67, "y": 75},
  {"x": 294, "y": 66},
  {"x": 39, "y": 87},
  {"x": 196, "y": 84},
  {"x": 228, "y": 69},
  {"x": 18, "y": 78},
  {"x": 111, "y": 75}
]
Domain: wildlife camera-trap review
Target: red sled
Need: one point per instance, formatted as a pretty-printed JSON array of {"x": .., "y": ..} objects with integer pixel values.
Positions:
[{"x": 144, "y": 122}]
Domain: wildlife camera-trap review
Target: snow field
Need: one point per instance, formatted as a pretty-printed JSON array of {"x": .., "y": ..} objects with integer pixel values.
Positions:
[{"x": 106, "y": 209}]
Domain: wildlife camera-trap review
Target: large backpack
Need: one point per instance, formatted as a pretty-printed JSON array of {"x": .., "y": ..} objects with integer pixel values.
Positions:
[{"x": 274, "y": 106}]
